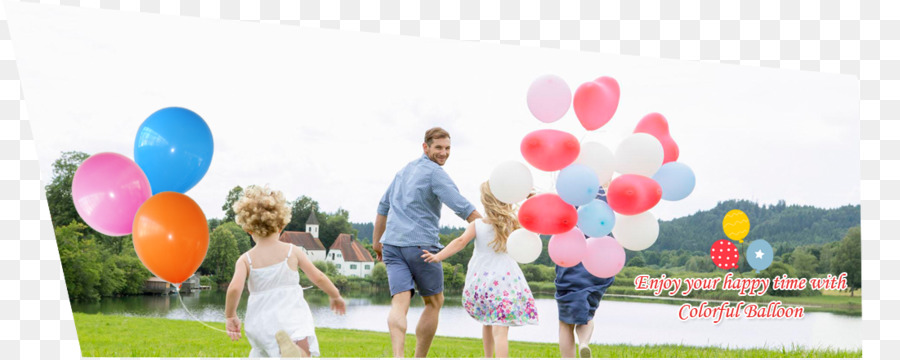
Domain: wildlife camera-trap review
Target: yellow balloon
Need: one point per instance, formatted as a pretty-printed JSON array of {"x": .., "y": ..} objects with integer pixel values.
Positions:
[{"x": 736, "y": 225}]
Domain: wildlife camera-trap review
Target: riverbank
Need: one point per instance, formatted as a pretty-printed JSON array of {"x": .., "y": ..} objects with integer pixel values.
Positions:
[{"x": 123, "y": 336}]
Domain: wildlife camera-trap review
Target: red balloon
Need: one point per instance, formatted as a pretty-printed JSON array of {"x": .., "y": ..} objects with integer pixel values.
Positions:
[
  {"x": 596, "y": 101},
  {"x": 655, "y": 124},
  {"x": 724, "y": 254},
  {"x": 550, "y": 150},
  {"x": 632, "y": 194},
  {"x": 547, "y": 214}
]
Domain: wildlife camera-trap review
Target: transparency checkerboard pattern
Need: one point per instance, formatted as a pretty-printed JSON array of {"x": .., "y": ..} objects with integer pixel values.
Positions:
[{"x": 854, "y": 37}]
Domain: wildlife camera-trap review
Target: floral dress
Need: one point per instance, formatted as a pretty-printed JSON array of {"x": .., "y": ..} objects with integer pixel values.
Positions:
[{"x": 496, "y": 292}]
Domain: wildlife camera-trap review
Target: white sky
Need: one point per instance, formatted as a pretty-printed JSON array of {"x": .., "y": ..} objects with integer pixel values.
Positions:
[{"x": 334, "y": 115}]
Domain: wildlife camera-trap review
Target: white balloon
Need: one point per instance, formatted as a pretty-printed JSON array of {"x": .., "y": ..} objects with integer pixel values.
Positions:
[
  {"x": 599, "y": 158},
  {"x": 511, "y": 182},
  {"x": 640, "y": 154},
  {"x": 524, "y": 246},
  {"x": 636, "y": 232}
]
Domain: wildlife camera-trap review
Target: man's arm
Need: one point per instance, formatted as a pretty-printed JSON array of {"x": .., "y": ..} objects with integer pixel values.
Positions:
[
  {"x": 380, "y": 225},
  {"x": 473, "y": 216},
  {"x": 448, "y": 193}
]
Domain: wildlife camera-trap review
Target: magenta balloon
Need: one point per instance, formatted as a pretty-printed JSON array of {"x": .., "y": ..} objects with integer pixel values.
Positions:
[
  {"x": 604, "y": 257},
  {"x": 549, "y": 98},
  {"x": 108, "y": 189},
  {"x": 568, "y": 248},
  {"x": 595, "y": 102}
]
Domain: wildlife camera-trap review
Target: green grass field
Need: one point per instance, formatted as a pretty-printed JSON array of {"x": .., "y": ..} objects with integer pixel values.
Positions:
[{"x": 121, "y": 336}]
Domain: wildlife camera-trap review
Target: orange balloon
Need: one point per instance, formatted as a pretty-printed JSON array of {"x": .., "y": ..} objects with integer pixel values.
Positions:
[{"x": 171, "y": 236}]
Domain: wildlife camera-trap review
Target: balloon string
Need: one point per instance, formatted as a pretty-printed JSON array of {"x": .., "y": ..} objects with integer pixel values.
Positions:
[{"x": 192, "y": 315}]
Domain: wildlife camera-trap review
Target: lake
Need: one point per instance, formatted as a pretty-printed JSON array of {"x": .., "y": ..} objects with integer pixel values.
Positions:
[{"x": 617, "y": 322}]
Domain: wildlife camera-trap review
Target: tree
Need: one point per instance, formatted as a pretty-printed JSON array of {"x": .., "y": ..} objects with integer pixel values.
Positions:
[
  {"x": 379, "y": 275},
  {"x": 300, "y": 210},
  {"x": 849, "y": 259},
  {"x": 333, "y": 225},
  {"x": 241, "y": 237},
  {"x": 233, "y": 196},
  {"x": 222, "y": 254},
  {"x": 80, "y": 258},
  {"x": 804, "y": 263},
  {"x": 637, "y": 261},
  {"x": 59, "y": 190}
]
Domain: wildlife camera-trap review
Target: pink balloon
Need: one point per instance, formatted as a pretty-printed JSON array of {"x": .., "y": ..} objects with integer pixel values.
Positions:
[
  {"x": 596, "y": 101},
  {"x": 549, "y": 98},
  {"x": 550, "y": 150},
  {"x": 604, "y": 257},
  {"x": 567, "y": 249},
  {"x": 547, "y": 214},
  {"x": 108, "y": 189},
  {"x": 655, "y": 124},
  {"x": 632, "y": 194}
]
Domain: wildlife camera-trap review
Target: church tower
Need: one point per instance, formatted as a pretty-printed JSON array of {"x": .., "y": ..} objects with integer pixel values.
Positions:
[{"x": 312, "y": 224}]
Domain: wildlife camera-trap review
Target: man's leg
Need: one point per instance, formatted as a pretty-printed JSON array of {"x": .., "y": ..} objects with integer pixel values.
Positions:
[
  {"x": 584, "y": 338},
  {"x": 400, "y": 280},
  {"x": 566, "y": 340},
  {"x": 428, "y": 323},
  {"x": 397, "y": 321}
]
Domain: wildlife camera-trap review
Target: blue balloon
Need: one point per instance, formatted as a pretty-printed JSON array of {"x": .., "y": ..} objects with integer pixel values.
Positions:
[
  {"x": 174, "y": 147},
  {"x": 596, "y": 219},
  {"x": 760, "y": 254},
  {"x": 676, "y": 180},
  {"x": 577, "y": 184}
]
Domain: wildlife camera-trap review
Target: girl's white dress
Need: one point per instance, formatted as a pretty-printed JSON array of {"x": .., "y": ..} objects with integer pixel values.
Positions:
[
  {"x": 276, "y": 303},
  {"x": 496, "y": 292}
]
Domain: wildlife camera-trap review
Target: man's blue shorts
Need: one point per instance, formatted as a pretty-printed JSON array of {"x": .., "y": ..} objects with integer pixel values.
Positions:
[{"x": 408, "y": 271}]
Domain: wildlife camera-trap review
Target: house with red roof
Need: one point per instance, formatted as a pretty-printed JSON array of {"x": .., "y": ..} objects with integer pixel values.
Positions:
[
  {"x": 308, "y": 240},
  {"x": 350, "y": 257}
]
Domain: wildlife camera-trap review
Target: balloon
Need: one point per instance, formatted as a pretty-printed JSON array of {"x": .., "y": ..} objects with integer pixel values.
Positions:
[
  {"x": 577, "y": 184},
  {"x": 174, "y": 147},
  {"x": 724, "y": 254},
  {"x": 548, "y": 98},
  {"x": 547, "y": 214},
  {"x": 171, "y": 236},
  {"x": 596, "y": 219},
  {"x": 631, "y": 194},
  {"x": 524, "y": 246},
  {"x": 636, "y": 232},
  {"x": 511, "y": 182},
  {"x": 639, "y": 154},
  {"x": 676, "y": 180},
  {"x": 655, "y": 124},
  {"x": 550, "y": 150},
  {"x": 736, "y": 225},
  {"x": 604, "y": 257},
  {"x": 568, "y": 248},
  {"x": 599, "y": 158},
  {"x": 107, "y": 190},
  {"x": 759, "y": 254},
  {"x": 596, "y": 101}
]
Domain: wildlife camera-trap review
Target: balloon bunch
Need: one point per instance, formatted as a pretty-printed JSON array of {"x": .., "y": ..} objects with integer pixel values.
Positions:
[
  {"x": 645, "y": 161},
  {"x": 736, "y": 226},
  {"x": 172, "y": 151}
]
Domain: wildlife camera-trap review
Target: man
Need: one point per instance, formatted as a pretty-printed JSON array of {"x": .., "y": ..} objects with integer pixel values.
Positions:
[{"x": 408, "y": 216}]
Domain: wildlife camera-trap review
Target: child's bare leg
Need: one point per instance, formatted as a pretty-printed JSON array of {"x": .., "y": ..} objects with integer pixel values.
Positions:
[
  {"x": 566, "y": 340},
  {"x": 287, "y": 347},
  {"x": 487, "y": 338},
  {"x": 501, "y": 340},
  {"x": 584, "y": 338},
  {"x": 304, "y": 346}
]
